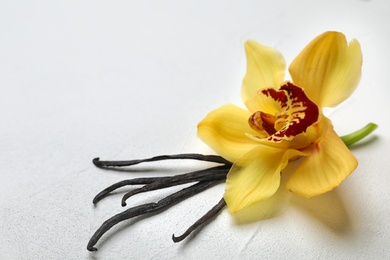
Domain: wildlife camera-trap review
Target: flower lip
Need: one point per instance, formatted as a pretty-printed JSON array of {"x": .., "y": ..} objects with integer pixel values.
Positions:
[
  {"x": 297, "y": 113},
  {"x": 261, "y": 122}
]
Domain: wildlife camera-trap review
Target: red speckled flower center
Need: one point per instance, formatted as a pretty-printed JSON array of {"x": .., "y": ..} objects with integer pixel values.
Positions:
[{"x": 297, "y": 113}]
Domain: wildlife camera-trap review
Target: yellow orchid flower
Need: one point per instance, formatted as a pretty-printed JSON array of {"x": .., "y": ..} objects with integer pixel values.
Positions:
[{"x": 284, "y": 120}]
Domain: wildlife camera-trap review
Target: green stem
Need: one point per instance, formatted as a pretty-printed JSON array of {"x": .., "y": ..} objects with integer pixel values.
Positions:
[{"x": 359, "y": 134}]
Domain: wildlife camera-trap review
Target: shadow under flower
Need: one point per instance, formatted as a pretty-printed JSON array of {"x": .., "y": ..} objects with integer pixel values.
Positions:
[{"x": 328, "y": 209}]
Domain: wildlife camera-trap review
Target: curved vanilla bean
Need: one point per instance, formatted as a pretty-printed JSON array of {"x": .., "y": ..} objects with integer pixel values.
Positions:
[
  {"x": 147, "y": 208},
  {"x": 191, "y": 156},
  {"x": 213, "y": 174},
  {"x": 135, "y": 181},
  {"x": 207, "y": 217},
  {"x": 155, "y": 183}
]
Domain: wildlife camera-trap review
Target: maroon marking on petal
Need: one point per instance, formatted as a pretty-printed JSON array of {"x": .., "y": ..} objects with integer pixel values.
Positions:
[
  {"x": 279, "y": 96},
  {"x": 303, "y": 113}
]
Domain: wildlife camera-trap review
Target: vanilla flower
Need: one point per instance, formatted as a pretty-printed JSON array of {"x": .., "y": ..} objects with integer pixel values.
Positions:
[{"x": 285, "y": 120}]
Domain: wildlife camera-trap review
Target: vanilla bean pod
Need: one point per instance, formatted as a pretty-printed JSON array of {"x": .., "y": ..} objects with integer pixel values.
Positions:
[
  {"x": 203, "y": 178},
  {"x": 212, "y": 174},
  {"x": 207, "y": 217},
  {"x": 148, "y": 208},
  {"x": 154, "y": 183},
  {"x": 190, "y": 156}
]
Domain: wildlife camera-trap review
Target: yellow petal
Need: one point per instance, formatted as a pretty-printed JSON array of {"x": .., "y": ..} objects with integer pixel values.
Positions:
[
  {"x": 328, "y": 69},
  {"x": 256, "y": 176},
  {"x": 329, "y": 163},
  {"x": 265, "y": 68},
  {"x": 225, "y": 131}
]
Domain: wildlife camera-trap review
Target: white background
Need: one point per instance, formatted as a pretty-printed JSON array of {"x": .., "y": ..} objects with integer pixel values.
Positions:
[{"x": 131, "y": 79}]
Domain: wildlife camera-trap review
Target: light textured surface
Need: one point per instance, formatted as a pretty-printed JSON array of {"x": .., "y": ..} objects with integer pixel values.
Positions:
[{"x": 131, "y": 79}]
